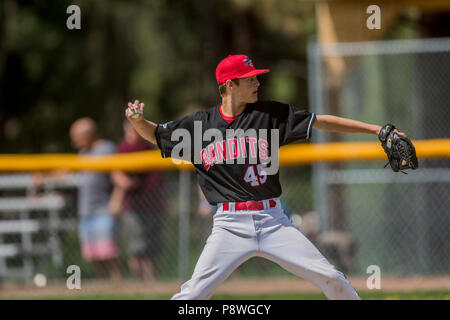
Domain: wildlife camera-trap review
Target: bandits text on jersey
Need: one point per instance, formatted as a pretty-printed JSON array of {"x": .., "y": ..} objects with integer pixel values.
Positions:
[{"x": 235, "y": 149}]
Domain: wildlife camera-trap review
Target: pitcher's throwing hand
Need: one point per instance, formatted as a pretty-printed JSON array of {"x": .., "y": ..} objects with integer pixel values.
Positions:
[{"x": 135, "y": 111}]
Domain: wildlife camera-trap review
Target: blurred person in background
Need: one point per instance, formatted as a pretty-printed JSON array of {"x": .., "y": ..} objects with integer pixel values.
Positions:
[
  {"x": 97, "y": 227},
  {"x": 140, "y": 202}
]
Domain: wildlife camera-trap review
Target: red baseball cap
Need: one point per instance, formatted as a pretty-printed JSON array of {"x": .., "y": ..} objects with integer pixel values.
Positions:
[{"x": 236, "y": 66}]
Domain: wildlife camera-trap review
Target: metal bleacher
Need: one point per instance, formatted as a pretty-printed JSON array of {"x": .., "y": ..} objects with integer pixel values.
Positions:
[{"x": 25, "y": 214}]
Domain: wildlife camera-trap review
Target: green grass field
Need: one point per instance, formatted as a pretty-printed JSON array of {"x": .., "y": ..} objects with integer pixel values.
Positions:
[{"x": 366, "y": 295}]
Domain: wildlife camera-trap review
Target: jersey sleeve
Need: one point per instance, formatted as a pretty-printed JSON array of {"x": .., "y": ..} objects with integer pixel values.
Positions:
[
  {"x": 178, "y": 132},
  {"x": 294, "y": 124}
]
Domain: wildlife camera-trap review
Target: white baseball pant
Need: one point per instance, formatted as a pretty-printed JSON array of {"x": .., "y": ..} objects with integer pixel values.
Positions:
[{"x": 240, "y": 235}]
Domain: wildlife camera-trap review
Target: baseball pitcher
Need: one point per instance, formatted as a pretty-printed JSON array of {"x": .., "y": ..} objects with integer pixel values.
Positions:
[{"x": 234, "y": 148}]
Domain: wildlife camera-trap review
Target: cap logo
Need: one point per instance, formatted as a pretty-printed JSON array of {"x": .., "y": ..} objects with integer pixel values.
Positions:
[{"x": 248, "y": 62}]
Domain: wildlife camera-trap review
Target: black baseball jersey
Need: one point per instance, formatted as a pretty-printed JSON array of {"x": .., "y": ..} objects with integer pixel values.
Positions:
[{"x": 230, "y": 157}]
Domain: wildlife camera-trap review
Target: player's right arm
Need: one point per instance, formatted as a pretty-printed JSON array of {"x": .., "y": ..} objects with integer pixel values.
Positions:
[
  {"x": 162, "y": 135},
  {"x": 145, "y": 128}
]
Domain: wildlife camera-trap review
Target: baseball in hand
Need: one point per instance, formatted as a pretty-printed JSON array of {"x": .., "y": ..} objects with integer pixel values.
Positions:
[{"x": 134, "y": 110}]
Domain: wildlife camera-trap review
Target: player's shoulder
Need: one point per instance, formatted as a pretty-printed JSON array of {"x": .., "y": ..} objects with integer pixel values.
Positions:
[
  {"x": 184, "y": 121},
  {"x": 210, "y": 114},
  {"x": 200, "y": 115},
  {"x": 270, "y": 107},
  {"x": 268, "y": 104}
]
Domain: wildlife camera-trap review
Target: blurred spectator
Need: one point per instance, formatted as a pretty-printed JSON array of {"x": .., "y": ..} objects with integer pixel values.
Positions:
[
  {"x": 139, "y": 200},
  {"x": 97, "y": 228}
]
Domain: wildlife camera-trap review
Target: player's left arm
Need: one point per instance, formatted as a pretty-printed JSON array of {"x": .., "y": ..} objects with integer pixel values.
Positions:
[{"x": 344, "y": 125}]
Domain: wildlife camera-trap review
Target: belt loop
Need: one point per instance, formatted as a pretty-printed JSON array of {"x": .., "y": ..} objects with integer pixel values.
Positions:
[
  {"x": 266, "y": 205},
  {"x": 232, "y": 206}
]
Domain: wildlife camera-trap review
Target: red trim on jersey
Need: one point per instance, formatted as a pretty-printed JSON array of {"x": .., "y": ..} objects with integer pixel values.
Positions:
[{"x": 226, "y": 118}]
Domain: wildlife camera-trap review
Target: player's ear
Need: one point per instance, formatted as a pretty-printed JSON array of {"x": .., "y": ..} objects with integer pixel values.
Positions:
[{"x": 229, "y": 83}]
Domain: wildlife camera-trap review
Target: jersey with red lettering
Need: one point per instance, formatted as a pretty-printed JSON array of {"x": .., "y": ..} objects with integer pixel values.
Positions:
[{"x": 230, "y": 154}]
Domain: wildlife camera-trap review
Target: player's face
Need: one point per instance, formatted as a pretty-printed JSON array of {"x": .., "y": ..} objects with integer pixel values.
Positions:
[{"x": 247, "y": 90}]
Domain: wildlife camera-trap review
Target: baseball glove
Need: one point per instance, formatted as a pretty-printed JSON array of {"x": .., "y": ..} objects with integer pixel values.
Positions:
[{"x": 400, "y": 150}]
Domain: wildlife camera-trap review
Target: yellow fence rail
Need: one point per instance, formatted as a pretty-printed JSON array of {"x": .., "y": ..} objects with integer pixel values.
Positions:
[{"x": 290, "y": 155}]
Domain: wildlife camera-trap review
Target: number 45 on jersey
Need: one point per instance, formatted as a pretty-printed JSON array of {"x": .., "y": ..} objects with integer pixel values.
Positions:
[{"x": 255, "y": 175}]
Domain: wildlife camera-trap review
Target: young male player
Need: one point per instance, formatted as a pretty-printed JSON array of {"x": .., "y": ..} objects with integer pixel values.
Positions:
[{"x": 231, "y": 172}]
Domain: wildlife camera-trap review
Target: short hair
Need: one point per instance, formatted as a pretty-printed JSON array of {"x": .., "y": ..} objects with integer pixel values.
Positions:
[{"x": 223, "y": 86}]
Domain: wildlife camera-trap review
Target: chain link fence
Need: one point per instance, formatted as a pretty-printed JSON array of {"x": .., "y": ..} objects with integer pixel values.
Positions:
[
  {"x": 397, "y": 222},
  {"x": 40, "y": 228}
]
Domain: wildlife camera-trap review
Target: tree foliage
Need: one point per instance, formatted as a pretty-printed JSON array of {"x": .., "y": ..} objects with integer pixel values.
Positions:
[{"x": 162, "y": 52}]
